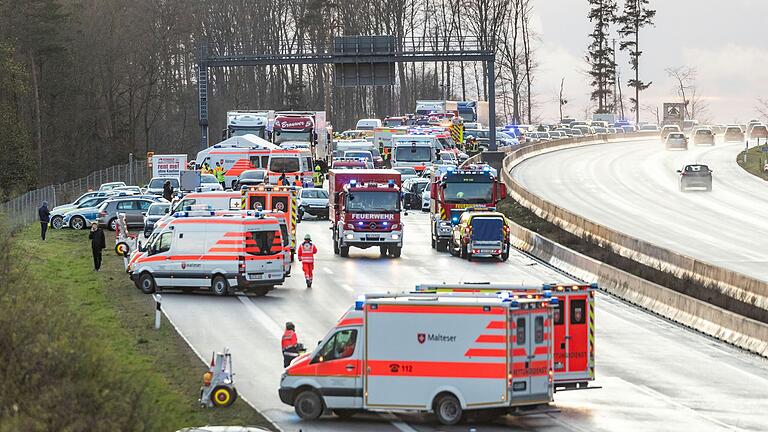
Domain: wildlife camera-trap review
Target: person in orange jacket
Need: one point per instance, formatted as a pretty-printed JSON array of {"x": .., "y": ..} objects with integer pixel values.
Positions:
[
  {"x": 307, "y": 252},
  {"x": 289, "y": 344}
]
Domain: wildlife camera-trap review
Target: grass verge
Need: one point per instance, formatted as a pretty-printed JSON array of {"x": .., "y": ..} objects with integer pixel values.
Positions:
[
  {"x": 589, "y": 247},
  {"x": 118, "y": 320},
  {"x": 756, "y": 159}
]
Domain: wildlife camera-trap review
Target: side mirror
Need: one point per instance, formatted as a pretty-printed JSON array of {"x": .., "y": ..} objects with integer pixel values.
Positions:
[
  {"x": 144, "y": 214},
  {"x": 167, "y": 210}
]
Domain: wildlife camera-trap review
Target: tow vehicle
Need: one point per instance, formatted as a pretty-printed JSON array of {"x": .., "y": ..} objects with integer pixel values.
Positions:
[
  {"x": 365, "y": 210},
  {"x": 445, "y": 353},
  {"x": 481, "y": 232},
  {"x": 454, "y": 190},
  {"x": 198, "y": 249},
  {"x": 278, "y": 199},
  {"x": 574, "y": 323}
]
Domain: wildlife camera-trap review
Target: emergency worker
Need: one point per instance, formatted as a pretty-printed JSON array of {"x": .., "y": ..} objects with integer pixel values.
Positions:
[
  {"x": 297, "y": 182},
  {"x": 219, "y": 173},
  {"x": 282, "y": 181},
  {"x": 167, "y": 190},
  {"x": 307, "y": 252},
  {"x": 289, "y": 344},
  {"x": 317, "y": 177}
]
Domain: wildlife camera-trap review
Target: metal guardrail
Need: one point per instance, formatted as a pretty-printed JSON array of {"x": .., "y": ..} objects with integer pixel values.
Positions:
[{"x": 22, "y": 210}]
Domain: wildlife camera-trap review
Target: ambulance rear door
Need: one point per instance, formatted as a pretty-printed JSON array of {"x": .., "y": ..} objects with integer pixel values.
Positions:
[
  {"x": 577, "y": 338},
  {"x": 531, "y": 353}
]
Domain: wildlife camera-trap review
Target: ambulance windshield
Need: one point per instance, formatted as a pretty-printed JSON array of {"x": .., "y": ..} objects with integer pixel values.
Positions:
[
  {"x": 377, "y": 202},
  {"x": 413, "y": 153},
  {"x": 284, "y": 164},
  {"x": 468, "y": 193}
]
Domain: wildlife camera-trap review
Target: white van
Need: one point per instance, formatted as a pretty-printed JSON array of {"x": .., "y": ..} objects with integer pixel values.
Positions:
[
  {"x": 416, "y": 151},
  {"x": 368, "y": 124},
  {"x": 198, "y": 249}
]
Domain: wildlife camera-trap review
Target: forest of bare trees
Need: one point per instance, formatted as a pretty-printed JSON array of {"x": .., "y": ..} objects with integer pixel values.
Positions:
[{"x": 85, "y": 82}]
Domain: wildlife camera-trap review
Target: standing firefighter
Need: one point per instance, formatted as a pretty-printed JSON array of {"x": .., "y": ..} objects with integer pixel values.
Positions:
[
  {"x": 317, "y": 177},
  {"x": 307, "y": 252},
  {"x": 289, "y": 344}
]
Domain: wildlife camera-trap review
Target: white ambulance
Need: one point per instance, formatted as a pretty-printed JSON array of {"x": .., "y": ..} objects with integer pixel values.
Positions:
[
  {"x": 429, "y": 352},
  {"x": 198, "y": 249}
]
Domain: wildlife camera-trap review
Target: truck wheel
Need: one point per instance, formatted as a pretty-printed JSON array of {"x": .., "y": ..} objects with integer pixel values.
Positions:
[
  {"x": 223, "y": 396},
  {"x": 219, "y": 285},
  {"x": 335, "y": 247},
  {"x": 383, "y": 250},
  {"x": 57, "y": 222},
  {"x": 395, "y": 251},
  {"x": 505, "y": 254},
  {"x": 463, "y": 253},
  {"x": 308, "y": 405},
  {"x": 147, "y": 283},
  {"x": 344, "y": 251},
  {"x": 451, "y": 249},
  {"x": 345, "y": 413},
  {"x": 448, "y": 410}
]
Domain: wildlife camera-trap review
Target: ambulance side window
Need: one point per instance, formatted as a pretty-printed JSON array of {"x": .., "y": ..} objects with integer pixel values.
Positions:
[
  {"x": 538, "y": 326},
  {"x": 521, "y": 331},
  {"x": 264, "y": 162},
  {"x": 341, "y": 345},
  {"x": 255, "y": 162},
  {"x": 578, "y": 311},
  {"x": 164, "y": 242}
]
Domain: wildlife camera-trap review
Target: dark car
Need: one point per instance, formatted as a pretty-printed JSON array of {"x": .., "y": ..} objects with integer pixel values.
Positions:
[
  {"x": 153, "y": 214},
  {"x": 695, "y": 175},
  {"x": 412, "y": 191},
  {"x": 251, "y": 177}
]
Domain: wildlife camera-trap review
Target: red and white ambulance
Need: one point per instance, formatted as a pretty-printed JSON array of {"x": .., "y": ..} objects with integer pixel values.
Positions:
[
  {"x": 429, "y": 352},
  {"x": 574, "y": 323},
  {"x": 278, "y": 199},
  {"x": 291, "y": 163},
  {"x": 198, "y": 249}
]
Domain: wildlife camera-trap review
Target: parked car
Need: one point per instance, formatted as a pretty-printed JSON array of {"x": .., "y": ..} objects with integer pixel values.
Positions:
[
  {"x": 676, "y": 140},
  {"x": 129, "y": 190},
  {"x": 61, "y": 209},
  {"x": 703, "y": 136},
  {"x": 153, "y": 214},
  {"x": 695, "y": 175},
  {"x": 313, "y": 201},
  {"x": 155, "y": 186},
  {"x": 412, "y": 191},
  {"x": 110, "y": 186},
  {"x": 251, "y": 177},
  {"x": 81, "y": 218},
  {"x": 58, "y": 213},
  {"x": 208, "y": 183},
  {"x": 406, "y": 173},
  {"x": 133, "y": 207}
]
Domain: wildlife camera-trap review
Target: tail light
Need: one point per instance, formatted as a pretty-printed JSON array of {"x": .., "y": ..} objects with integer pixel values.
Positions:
[
  {"x": 102, "y": 213},
  {"x": 241, "y": 265}
]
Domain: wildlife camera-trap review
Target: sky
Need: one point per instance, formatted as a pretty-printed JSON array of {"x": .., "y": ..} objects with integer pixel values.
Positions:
[{"x": 725, "y": 40}]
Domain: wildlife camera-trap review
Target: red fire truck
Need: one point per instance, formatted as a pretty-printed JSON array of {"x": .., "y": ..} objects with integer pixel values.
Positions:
[
  {"x": 454, "y": 190},
  {"x": 365, "y": 210},
  {"x": 574, "y": 322}
]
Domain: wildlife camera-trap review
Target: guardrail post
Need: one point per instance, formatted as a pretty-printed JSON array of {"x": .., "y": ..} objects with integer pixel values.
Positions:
[{"x": 158, "y": 309}]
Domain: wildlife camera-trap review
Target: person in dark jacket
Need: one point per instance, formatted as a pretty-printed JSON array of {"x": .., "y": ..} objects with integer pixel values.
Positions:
[
  {"x": 98, "y": 243},
  {"x": 167, "y": 190},
  {"x": 45, "y": 218}
]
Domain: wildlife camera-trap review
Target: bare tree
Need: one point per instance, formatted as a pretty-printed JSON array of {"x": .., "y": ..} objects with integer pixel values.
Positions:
[
  {"x": 654, "y": 111},
  {"x": 690, "y": 95},
  {"x": 762, "y": 108},
  {"x": 562, "y": 100}
]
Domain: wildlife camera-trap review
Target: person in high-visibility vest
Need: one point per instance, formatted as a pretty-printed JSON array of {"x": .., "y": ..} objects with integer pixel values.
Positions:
[
  {"x": 317, "y": 176},
  {"x": 297, "y": 182},
  {"x": 282, "y": 181},
  {"x": 219, "y": 173},
  {"x": 289, "y": 344},
  {"x": 307, "y": 252}
]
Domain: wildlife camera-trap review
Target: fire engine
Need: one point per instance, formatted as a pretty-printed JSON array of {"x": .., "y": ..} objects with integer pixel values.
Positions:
[
  {"x": 365, "y": 210},
  {"x": 454, "y": 190},
  {"x": 197, "y": 249},
  {"x": 275, "y": 198},
  {"x": 574, "y": 324},
  {"x": 442, "y": 353}
]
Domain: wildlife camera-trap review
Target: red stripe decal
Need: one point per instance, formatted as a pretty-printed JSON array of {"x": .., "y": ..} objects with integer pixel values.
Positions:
[
  {"x": 459, "y": 310},
  {"x": 350, "y": 322},
  {"x": 491, "y": 339},
  {"x": 483, "y": 352},
  {"x": 496, "y": 325},
  {"x": 437, "y": 369}
]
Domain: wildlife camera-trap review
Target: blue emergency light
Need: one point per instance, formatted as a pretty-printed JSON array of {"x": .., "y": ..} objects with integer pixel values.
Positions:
[
  {"x": 385, "y": 223},
  {"x": 353, "y": 182},
  {"x": 554, "y": 301},
  {"x": 391, "y": 183},
  {"x": 455, "y": 219},
  {"x": 360, "y": 302},
  {"x": 547, "y": 293}
]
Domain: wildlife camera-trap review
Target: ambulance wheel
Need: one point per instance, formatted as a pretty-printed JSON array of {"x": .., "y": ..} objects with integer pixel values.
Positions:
[
  {"x": 308, "y": 405},
  {"x": 223, "y": 396},
  {"x": 395, "y": 251},
  {"x": 448, "y": 409},
  {"x": 147, "y": 283},
  {"x": 122, "y": 249},
  {"x": 57, "y": 222},
  {"x": 219, "y": 285},
  {"x": 344, "y": 251}
]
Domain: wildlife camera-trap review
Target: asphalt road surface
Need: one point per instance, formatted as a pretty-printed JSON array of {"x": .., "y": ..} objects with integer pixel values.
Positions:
[
  {"x": 654, "y": 374},
  {"x": 633, "y": 188}
]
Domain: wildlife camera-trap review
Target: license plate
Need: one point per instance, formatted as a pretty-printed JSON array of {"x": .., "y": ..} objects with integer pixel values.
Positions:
[
  {"x": 373, "y": 238},
  {"x": 257, "y": 276}
]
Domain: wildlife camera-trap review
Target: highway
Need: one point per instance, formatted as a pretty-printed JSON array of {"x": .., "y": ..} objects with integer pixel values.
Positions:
[
  {"x": 655, "y": 375},
  {"x": 633, "y": 188}
]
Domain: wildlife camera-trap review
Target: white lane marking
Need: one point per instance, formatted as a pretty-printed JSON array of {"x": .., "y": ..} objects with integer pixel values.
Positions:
[
  {"x": 422, "y": 269},
  {"x": 565, "y": 424},
  {"x": 403, "y": 256},
  {"x": 259, "y": 315},
  {"x": 327, "y": 270},
  {"x": 400, "y": 425},
  {"x": 347, "y": 287}
]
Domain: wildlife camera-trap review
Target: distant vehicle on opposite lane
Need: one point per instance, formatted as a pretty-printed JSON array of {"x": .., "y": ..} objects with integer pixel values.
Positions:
[
  {"x": 676, "y": 141},
  {"x": 703, "y": 136},
  {"x": 695, "y": 175}
]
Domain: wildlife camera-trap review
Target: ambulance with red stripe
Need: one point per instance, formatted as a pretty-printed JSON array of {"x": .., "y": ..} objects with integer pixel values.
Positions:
[
  {"x": 283, "y": 201},
  {"x": 248, "y": 152},
  {"x": 198, "y": 249},
  {"x": 574, "y": 323},
  {"x": 429, "y": 352},
  {"x": 291, "y": 163}
]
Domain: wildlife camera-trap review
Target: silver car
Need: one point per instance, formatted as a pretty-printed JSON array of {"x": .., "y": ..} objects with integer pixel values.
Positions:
[
  {"x": 133, "y": 207},
  {"x": 695, "y": 175},
  {"x": 676, "y": 141},
  {"x": 406, "y": 173},
  {"x": 313, "y": 201}
]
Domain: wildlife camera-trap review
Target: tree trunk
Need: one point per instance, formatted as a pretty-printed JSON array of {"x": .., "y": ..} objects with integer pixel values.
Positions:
[{"x": 38, "y": 120}]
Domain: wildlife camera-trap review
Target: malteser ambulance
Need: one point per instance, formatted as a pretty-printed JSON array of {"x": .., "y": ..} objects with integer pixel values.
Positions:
[
  {"x": 198, "y": 249},
  {"x": 573, "y": 319},
  {"x": 442, "y": 353}
]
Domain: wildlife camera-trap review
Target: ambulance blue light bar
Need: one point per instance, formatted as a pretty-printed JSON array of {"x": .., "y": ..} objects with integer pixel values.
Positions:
[{"x": 360, "y": 302}]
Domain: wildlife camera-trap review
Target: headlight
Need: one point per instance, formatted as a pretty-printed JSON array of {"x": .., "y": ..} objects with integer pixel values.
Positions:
[
  {"x": 350, "y": 236},
  {"x": 395, "y": 236}
]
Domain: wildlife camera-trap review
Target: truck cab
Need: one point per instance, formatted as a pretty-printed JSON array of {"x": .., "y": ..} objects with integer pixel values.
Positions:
[
  {"x": 364, "y": 210},
  {"x": 240, "y": 123},
  {"x": 417, "y": 151}
]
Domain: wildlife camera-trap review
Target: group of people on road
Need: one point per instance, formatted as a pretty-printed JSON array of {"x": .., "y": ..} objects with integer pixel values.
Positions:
[{"x": 217, "y": 171}]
